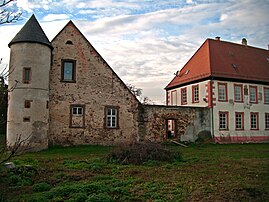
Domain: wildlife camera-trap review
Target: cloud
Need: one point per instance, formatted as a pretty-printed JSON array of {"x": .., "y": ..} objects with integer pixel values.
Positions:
[
  {"x": 53, "y": 17},
  {"x": 146, "y": 42}
]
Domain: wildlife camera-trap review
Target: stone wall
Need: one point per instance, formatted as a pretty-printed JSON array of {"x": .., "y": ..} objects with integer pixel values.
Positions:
[
  {"x": 96, "y": 87},
  {"x": 190, "y": 122}
]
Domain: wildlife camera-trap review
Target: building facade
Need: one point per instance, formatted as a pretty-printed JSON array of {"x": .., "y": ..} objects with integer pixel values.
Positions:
[
  {"x": 64, "y": 93},
  {"x": 233, "y": 81}
]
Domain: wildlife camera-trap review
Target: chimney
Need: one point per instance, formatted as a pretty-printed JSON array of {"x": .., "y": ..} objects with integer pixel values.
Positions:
[
  {"x": 244, "y": 42},
  {"x": 217, "y": 38}
]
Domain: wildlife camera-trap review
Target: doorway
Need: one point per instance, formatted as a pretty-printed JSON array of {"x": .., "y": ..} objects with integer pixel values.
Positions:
[{"x": 171, "y": 128}]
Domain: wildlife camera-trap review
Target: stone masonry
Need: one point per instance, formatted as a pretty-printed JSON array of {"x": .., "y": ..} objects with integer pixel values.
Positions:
[{"x": 96, "y": 87}]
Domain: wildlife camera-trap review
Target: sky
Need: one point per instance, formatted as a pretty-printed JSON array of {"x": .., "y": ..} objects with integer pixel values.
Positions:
[{"x": 147, "y": 41}]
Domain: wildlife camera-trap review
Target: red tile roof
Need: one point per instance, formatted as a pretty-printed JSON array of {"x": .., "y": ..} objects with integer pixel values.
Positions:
[{"x": 224, "y": 60}]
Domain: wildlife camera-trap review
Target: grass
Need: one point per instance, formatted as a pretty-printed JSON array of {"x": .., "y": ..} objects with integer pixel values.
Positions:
[{"x": 207, "y": 173}]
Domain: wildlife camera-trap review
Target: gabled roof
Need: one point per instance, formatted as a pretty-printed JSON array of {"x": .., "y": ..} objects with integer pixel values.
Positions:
[
  {"x": 70, "y": 23},
  {"x": 224, "y": 60},
  {"x": 31, "y": 32}
]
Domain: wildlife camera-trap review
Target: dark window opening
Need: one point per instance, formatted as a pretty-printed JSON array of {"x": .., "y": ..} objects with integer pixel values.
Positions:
[
  {"x": 69, "y": 42},
  {"x": 27, "y": 75},
  {"x": 26, "y": 119},
  {"x": 27, "y": 103}
]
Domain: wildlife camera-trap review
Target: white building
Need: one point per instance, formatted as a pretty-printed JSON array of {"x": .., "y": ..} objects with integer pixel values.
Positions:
[{"x": 233, "y": 81}]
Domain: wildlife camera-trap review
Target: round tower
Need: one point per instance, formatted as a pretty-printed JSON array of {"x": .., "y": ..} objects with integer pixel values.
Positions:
[{"x": 29, "y": 66}]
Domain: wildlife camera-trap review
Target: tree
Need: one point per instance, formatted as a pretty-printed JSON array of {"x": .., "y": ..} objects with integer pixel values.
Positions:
[
  {"x": 8, "y": 12},
  {"x": 138, "y": 93}
]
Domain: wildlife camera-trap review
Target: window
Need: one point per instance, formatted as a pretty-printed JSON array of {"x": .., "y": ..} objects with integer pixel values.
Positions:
[
  {"x": 254, "y": 121},
  {"x": 77, "y": 116},
  {"x": 77, "y": 111},
  {"x": 238, "y": 93},
  {"x": 174, "y": 97},
  {"x": 222, "y": 89},
  {"x": 266, "y": 95},
  {"x": 223, "y": 120},
  {"x": 253, "y": 98},
  {"x": 195, "y": 93},
  {"x": 26, "y": 119},
  {"x": 183, "y": 96},
  {"x": 267, "y": 121},
  {"x": 27, "y": 74},
  {"x": 239, "y": 121},
  {"x": 68, "y": 71},
  {"x": 27, "y": 103},
  {"x": 111, "y": 117}
]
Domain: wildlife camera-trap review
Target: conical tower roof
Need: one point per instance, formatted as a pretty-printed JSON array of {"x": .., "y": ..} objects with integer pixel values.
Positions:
[{"x": 31, "y": 32}]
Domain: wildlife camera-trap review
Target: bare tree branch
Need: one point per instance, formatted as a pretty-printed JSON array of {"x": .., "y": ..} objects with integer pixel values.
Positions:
[
  {"x": 20, "y": 145},
  {"x": 8, "y": 15}
]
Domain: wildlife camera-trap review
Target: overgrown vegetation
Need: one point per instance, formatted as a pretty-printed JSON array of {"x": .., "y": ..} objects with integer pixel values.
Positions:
[
  {"x": 204, "y": 173},
  {"x": 141, "y": 153}
]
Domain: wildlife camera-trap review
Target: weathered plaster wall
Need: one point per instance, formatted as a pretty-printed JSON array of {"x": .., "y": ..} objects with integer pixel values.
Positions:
[
  {"x": 96, "y": 87},
  {"x": 37, "y": 57},
  {"x": 190, "y": 121}
]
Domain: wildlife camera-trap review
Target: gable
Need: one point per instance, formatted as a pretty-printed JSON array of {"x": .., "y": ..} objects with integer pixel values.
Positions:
[
  {"x": 198, "y": 67},
  {"x": 72, "y": 44}
]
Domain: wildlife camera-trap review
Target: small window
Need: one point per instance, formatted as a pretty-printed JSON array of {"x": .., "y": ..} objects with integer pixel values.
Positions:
[
  {"x": 238, "y": 93},
  {"x": 222, "y": 92},
  {"x": 69, "y": 42},
  {"x": 27, "y": 74},
  {"x": 195, "y": 93},
  {"x": 27, "y": 103},
  {"x": 223, "y": 120},
  {"x": 267, "y": 121},
  {"x": 77, "y": 116},
  {"x": 254, "y": 121},
  {"x": 77, "y": 111},
  {"x": 183, "y": 96},
  {"x": 239, "y": 120},
  {"x": 111, "y": 117},
  {"x": 68, "y": 71},
  {"x": 253, "y": 95},
  {"x": 26, "y": 119},
  {"x": 266, "y": 95}
]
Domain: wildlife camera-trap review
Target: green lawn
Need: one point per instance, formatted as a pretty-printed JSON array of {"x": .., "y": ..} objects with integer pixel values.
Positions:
[{"x": 207, "y": 173}]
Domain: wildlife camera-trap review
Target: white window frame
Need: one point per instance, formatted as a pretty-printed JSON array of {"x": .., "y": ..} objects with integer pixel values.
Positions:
[
  {"x": 254, "y": 121},
  {"x": 77, "y": 111},
  {"x": 111, "y": 118},
  {"x": 253, "y": 91},
  {"x": 238, "y": 93},
  {"x": 223, "y": 120},
  {"x": 222, "y": 92}
]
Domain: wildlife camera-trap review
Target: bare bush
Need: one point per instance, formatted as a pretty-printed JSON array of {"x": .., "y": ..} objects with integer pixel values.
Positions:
[
  {"x": 142, "y": 152},
  {"x": 20, "y": 145}
]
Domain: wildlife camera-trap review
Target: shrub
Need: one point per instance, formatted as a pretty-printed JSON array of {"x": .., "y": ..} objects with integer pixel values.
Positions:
[
  {"x": 142, "y": 152},
  {"x": 40, "y": 187},
  {"x": 101, "y": 197}
]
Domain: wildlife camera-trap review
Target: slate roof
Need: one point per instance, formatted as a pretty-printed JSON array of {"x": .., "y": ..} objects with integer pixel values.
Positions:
[
  {"x": 224, "y": 60},
  {"x": 31, "y": 32}
]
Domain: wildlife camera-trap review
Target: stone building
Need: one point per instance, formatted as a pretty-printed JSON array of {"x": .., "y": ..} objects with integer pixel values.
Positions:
[{"x": 65, "y": 93}]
